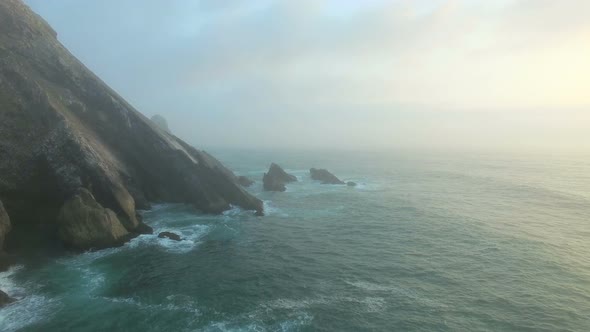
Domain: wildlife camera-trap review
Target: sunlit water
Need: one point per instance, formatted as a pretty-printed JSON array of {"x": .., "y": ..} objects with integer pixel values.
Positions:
[{"x": 426, "y": 242}]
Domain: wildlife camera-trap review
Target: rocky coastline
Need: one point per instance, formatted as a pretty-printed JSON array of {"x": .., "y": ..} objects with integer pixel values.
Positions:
[{"x": 77, "y": 161}]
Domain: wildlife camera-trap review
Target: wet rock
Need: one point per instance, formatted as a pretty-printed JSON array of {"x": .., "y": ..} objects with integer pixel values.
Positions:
[
  {"x": 351, "y": 184},
  {"x": 324, "y": 176},
  {"x": 276, "y": 178},
  {"x": 5, "y": 299},
  {"x": 169, "y": 235}
]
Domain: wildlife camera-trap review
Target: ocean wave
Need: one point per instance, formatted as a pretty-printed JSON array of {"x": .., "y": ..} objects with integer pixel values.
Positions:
[
  {"x": 407, "y": 293},
  {"x": 369, "y": 303},
  {"x": 7, "y": 284},
  {"x": 29, "y": 308},
  {"x": 293, "y": 323},
  {"x": 171, "y": 304},
  {"x": 190, "y": 238},
  {"x": 271, "y": 210}
]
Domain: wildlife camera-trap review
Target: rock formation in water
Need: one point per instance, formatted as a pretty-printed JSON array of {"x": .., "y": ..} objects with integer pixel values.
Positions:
[
  {"x": 351, "y": 184},
  {"x": 5, "y": 299},
  {"x": 324, "y": 176},
  {"x": 276, "y": 178},
  {"x": 169, "y": 235},
  {"x": 245, "y": 181},
  {"x": 161, "y": 122},
  {"x": 62, "y": 129}
]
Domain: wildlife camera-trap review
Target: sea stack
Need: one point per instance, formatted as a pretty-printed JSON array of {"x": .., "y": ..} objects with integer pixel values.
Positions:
[
  {"x": 324, "y": 176},
  {"x": 63, "y": 129},
  {"x": 276, "y": 178}
]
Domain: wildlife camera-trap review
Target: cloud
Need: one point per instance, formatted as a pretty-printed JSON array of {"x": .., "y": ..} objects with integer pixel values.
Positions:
[{"x": 339, "y": 69}]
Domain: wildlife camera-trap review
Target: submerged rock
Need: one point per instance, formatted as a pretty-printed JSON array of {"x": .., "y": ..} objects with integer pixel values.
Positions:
[
  {"x": 276, "y": 178},
  {"x": 84, "y": 224},
  {"x": 62, "y": 128},
  {"x": 5, "y": 299},
  {"x": 351, "y": 184},
  {"x": 244, "y": 181},
  {"x": 169, "y": 235},
  {"x": 324, "y": 176},
  {"x": 161, "y": 122}
]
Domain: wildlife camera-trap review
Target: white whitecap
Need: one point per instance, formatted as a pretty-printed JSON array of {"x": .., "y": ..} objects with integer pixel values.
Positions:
[
  {"x": 29, "y": 308},
  {"x": 271, "y": 210}
]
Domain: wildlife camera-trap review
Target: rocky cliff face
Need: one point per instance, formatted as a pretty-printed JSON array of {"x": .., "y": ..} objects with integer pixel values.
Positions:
[
  {"x": 4, "y": 227},
  {"x": 62, "y": 129}
]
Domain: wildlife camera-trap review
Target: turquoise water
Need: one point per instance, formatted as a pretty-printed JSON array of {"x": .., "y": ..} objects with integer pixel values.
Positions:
[{"x": 426, "y": 242}]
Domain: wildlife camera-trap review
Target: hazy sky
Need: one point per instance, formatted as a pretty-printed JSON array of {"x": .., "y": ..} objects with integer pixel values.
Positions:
[{"x": 345, "y": 73}]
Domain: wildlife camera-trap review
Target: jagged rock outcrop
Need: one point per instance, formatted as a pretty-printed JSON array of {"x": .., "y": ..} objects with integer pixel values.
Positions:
[
  {"x": 276, "y": 178},
  {"x": 324, "y": 176},
  {"x": 169, "y": 235},
  {"x": 161, "y": 122},
  {"x": 245, "y": 181},
  {"x": 84, "y": 224},
  {"x": 62, "y": 128},
  {"x": 5, "y": 299}
]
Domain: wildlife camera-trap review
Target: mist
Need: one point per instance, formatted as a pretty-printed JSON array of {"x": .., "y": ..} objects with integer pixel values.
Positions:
[{"x": 344, "y": 74}]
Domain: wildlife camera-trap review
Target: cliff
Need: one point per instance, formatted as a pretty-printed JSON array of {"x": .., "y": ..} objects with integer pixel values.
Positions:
[{"x": 63, "y": 129}]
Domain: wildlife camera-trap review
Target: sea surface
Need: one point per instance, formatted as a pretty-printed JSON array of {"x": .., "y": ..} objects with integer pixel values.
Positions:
[{"x": 428, "y": 241}]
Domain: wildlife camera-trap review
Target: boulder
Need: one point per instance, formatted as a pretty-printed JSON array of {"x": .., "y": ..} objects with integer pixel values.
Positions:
[
  {"x": 276, "y": 178},
  {"x": 351, "y": 184},
  {"x": 161, "y": 122},
  {"x": 244, "y": 181},
  {"x": 169, "y": 235},
  {"x": 5, "y": 299},
  {"x": 84, "y": 224},
  {"x": 324, "y": 176},
  {"x": 62, "y": 128}
]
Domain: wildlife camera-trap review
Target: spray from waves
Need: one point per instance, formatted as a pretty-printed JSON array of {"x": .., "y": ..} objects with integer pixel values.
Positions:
[
  {"x": 29, "y": 308},
  {"x": 190, "y": 239},
  {"x": 272, "y": 210}
]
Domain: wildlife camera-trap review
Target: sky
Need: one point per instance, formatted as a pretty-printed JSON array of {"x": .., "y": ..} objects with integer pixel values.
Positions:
[{"x": 346, "y": 74}]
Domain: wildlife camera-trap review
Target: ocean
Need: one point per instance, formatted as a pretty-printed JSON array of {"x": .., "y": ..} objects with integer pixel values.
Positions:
[{"x": 427, "y": 241}]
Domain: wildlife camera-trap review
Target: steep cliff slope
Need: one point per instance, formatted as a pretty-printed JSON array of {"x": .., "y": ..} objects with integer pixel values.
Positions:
[{"x": 62, "y": 129}]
